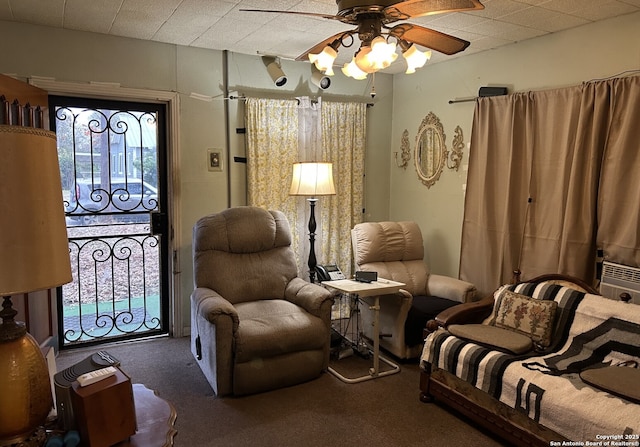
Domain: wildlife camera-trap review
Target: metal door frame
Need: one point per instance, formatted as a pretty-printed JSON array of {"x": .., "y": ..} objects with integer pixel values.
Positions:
[{"x": 165, "y": 267}]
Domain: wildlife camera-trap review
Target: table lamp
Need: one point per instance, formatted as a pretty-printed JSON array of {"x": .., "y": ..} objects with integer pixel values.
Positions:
[
  {"x": 312, "y": 179},
  {"x": 34, "y": 256}
]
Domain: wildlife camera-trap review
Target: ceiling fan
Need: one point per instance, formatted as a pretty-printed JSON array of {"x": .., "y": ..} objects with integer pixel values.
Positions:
[{"x": 372, "y": 19}]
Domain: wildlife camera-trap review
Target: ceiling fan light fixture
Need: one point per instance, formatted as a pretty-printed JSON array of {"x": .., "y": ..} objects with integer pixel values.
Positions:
[
  {"x": 351, "y": 70},
  {"x": 383, "y": 51},
  {"x": 324, "y": 60},
  {"x": 415, "y": 58},
  {"x": 376, "y": 56}
]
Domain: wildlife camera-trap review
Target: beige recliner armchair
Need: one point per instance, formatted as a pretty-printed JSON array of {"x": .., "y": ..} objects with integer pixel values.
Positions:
[
  {"x": 255, "y": 325},
  {"x": 395, "y": 251}
]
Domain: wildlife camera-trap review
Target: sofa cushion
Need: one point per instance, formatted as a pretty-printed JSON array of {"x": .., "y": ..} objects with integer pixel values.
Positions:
[
  {"x": 528, "y": 316},
  {"x": 495, "y": 337},
  {"x": 619, "y": 380}
]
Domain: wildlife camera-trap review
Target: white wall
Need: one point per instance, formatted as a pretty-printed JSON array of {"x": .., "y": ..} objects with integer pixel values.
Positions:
[
  {"x": 562, "y": 59},
  {"x": 81, "y": 57}
]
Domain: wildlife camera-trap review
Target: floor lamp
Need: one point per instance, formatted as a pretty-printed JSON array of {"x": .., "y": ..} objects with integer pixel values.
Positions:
[
  {"x": 312, "y": 179},
  {"x": 35, "y": 256}
]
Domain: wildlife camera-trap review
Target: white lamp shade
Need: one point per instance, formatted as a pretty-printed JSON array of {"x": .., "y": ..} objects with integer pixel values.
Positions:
[
  {"x": 415, "y": 58},
  {"x": 324, "y": 60},
  {"x": 312, "y": 179},
  {"x": 351, "y": 70},
  {"x": 33, "y": 236}
]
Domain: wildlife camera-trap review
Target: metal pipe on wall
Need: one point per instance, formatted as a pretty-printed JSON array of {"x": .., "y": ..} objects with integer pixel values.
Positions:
[{"x": 227, "y": 135}]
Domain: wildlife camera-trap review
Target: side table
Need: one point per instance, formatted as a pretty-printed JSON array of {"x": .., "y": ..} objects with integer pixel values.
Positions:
[
  {"x": 155, "y": 417},
  {"x": 373, "y": 289}
]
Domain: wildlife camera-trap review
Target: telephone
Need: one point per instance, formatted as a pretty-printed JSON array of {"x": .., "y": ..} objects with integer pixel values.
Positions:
[{"x": 329, "y": 272}]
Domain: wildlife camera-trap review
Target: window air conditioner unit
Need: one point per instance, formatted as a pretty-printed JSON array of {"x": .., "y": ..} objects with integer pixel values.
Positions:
[{"x": 617, "y": 279}]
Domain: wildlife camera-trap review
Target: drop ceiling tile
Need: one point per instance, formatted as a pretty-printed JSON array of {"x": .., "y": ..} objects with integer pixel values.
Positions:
[
  {"x": 533, "y": 2},
  {"x": 281, "y": 23},
  {"x": 141, "y": 19},
  {"x": 317, "y": 7},
  {"x": 496, "y": 8},
  {"x": 457, "y": 21},
  {"x": 49, "y": 13},
  {"x": 174, "y": 31},
  {"x": 223, "y": 34},
  {"x": 487, "y": 43},
  {"x": 216, "y": 8},
  {"x": 199, "y": 14},
  {"x": 605, "y": 10},
  {"x": 569, "y": 6},
  {"x": 275, "y": 5},
  {"x": 543, "y": 19},
  {"x": 94, "y": 16},
  {"x": 506, "y": 31}
]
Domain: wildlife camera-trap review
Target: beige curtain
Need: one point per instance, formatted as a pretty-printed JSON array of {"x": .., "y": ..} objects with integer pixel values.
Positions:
[
  {"x": 533, "y": 197},
  {"x": 344, "y": 127},
  {"x": 280, "y": 133},
  {"x": 619, "y": 198}
]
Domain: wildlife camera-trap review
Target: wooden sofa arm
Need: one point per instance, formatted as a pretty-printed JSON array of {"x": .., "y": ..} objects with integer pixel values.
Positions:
[{"x": 473, "y": 312}]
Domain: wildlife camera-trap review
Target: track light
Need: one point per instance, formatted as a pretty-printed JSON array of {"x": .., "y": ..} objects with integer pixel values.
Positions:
[
  {"x": 319, "y": 79},
  {"x": 275, "y": 70}
]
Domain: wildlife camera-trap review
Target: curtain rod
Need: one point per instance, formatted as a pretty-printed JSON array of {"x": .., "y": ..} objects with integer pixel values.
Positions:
[
  {"x": 244, "y": 98},
  {"x": 455, "y": 101}
]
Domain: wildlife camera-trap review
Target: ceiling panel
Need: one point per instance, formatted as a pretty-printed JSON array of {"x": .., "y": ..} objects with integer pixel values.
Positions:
[{"x": 220, "y": 25}]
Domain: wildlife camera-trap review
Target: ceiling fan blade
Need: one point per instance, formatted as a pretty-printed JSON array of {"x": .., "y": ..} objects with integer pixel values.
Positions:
[
  {"x": 301, "y": 13},
  {"x": 320, "y": 46},
  {"x": 419, "y": 8},
  {"x": 444, "y": 43}
]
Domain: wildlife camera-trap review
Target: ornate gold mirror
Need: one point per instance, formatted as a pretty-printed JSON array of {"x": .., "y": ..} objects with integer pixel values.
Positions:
[{"x": 431, "y": 152}]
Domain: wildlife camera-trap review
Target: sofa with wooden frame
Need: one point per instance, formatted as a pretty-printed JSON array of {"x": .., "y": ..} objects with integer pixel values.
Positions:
[{"x": 541, "y": 395}]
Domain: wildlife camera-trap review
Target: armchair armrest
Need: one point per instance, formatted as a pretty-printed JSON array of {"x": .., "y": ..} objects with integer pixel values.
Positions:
[
  {"x": 473, "y": 312},
  {"x": 451, "y": 288},
  {"x": 310, "y": 297},
  {"x": 212, "y": 307}
]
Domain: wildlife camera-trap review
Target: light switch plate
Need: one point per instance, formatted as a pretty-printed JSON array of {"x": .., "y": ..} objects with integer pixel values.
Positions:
[{"x": 214, "y": 160}]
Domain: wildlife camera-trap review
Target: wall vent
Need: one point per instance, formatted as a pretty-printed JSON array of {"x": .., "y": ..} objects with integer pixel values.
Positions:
[{"x": 617, "y": 279}]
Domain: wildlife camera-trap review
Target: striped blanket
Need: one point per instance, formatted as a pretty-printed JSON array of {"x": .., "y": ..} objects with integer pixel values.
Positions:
[{"x": 590, "y": 331}]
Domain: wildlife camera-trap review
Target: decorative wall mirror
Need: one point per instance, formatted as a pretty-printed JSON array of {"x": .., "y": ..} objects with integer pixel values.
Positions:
[{"x": 431, "y": 152}]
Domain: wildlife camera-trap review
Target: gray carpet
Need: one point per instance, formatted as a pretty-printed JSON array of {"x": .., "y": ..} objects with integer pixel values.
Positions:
[{"x": 385, "y": 412}]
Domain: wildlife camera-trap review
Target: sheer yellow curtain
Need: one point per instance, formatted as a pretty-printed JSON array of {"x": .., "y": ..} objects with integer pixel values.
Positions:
[
  {"x": 272, "y": 148},
  {"x": 344, "y": 127},
  {"x": 274, "y": 144}
]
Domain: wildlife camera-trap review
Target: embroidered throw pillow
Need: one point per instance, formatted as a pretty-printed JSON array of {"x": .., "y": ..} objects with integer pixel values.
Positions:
[{"x": 528, "y": 316}]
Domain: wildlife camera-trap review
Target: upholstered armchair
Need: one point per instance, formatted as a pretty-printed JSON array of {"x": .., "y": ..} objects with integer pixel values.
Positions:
[
  {"x": 255, "y": 325},
  {"x": 395, "y": 251}
]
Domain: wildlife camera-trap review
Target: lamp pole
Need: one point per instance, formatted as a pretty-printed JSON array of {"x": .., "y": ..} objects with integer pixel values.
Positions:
[
  {"x": 312, "y": 179},
  {"x": 312, "y": 240}
]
